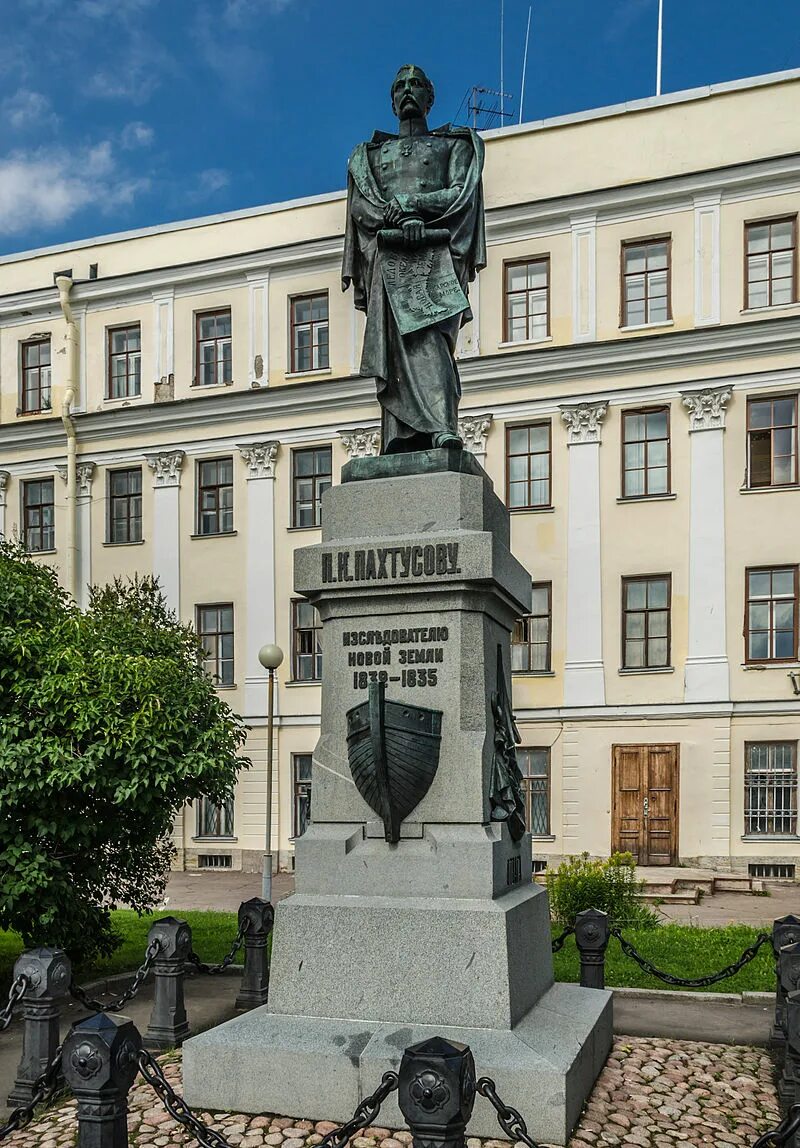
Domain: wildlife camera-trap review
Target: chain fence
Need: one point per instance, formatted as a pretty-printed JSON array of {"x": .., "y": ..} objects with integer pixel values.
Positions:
[
  {"x": 510, "y": 1120},
  {"x": 558, "y": 942},
  {"x": 44, "y": 1088},
  {"x": 15, "y": 994},
  {"x": 228, "y": 959},
  {"x": 80, "y": 995},
  {"x": 749, "y": 954}
]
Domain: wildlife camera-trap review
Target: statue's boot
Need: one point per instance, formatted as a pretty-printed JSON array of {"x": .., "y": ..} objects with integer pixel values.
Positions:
[{"x": 447, "y": 438}]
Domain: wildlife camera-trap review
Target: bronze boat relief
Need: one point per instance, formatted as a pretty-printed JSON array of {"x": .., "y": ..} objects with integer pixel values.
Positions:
[{"x": 393, "y": 750}]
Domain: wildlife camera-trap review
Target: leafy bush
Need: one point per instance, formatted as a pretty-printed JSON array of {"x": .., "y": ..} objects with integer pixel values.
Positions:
[
  {"x": 108, "y": 725},
  {"x": 610, "y": 885}
]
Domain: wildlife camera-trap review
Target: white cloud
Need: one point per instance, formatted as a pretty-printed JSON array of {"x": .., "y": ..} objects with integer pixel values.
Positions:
[
  {"x": 213, "y": 179},
  {"x": 238, "y": 12},
  {"x": 626, "y": 13},
  {"x": 26, "y": 109},
  {"x": 48, "y": 186},
  {"x": 136, "y": 134},
  {"x": 139, "y": 63}
]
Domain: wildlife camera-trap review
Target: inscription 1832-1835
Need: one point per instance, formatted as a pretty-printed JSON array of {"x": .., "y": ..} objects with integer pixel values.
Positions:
[
  {"x": 411, "y": 656},
  {"x": 384, "y": 563}
]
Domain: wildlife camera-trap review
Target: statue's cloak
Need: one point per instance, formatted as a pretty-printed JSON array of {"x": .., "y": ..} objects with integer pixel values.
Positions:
[{"x": 404, "y": 390}]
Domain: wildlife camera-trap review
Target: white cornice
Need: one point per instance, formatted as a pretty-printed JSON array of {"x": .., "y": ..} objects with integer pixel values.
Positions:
[{"x": 273, "y": 411}]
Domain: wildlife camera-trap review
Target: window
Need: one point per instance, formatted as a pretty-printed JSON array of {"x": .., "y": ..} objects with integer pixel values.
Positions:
[
  {"x": 534, "y": 765},
  {"x": 772, "y": 441},
  {"x": 527, "y": 300},
  {"x": 646, "y": 622},
  {"x": 35, "y": 389},
  {"x": 770, "y": 262},
  {"x": 215, "y": 496},
  {"x": 37, "y": 515},
  {"x": 311, "y": 476},
  {"x": 214, "y": 362},
  {"x": 309, "y": 323},
  {"x": 301, "y": 777},
  {"x": 771, "y": 614},
  {"x": 306, "y": 643},
  {"x": 125, "y": 362},
  {"x": 528, "y": 466},
  {"x": 530, "y": 642},
  {"x": 125, "y": 505},
  {"x": 645, "y": 282},
  {"x": 770, "y": 788},
  {"x": 214, "y": 820},
  {"x": 645, "y": 453},
  {"x": 215, "y": 630}
]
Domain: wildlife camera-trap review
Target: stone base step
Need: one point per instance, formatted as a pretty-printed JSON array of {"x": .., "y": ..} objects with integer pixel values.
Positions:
[{"x": 683, "y": 897}]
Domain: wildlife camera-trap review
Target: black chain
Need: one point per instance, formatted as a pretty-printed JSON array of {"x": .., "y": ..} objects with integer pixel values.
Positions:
[
  {"x": 114, "y": 1006},
  {"x": 558, "y": 943},
  {"x": 15, "y": 995},
  {"x": 511, "y": 1121},
  {"x": 363, "y": 1116},
  {"x": 43, "y": 1089},
  {"x": 176, "y": 1105},
  {"x": 784, "y": 1132},
  {"x": 747, "y": 956},
  {"x": 212, "y": 970}
]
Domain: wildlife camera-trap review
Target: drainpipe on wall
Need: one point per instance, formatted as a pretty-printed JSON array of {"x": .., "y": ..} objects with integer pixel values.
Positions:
[{"x": 64, "y": 285}]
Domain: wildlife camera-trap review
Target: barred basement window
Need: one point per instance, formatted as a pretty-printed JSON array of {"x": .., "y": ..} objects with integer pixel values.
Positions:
[
  {"x": 772, "y": 872},
  {"x": 770, "y": 788},
  {"x": 534, "y": 765},
  {"x": 215, "y": 861}
]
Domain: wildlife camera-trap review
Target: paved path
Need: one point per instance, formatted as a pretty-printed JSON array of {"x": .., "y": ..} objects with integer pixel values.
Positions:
[{"x": 224, "y": 891}]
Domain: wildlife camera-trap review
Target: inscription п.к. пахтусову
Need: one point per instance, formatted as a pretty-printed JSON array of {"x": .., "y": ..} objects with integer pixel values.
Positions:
[
  {"x": 390, "y": 563},
  {"x": 412, "y": 653}
]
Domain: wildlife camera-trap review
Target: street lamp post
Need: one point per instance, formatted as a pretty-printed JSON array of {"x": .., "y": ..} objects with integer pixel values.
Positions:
[{"x": 270, "y": 658}]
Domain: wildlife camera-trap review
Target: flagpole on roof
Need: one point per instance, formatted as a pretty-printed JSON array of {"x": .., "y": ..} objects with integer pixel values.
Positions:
[
  {"x": 660, "y": 45},
  {"x": 524, "y": 65}
]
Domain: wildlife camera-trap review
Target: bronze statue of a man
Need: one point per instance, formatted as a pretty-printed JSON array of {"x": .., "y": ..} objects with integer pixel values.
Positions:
[{"x": 414, "y": 242}]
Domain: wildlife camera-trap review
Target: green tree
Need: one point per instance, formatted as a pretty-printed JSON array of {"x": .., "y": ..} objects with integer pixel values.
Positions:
[{"x": 108, "y": 725}]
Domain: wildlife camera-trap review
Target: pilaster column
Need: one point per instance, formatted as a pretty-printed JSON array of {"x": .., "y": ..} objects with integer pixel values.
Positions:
[
  {"x": 584, "y": 278},
  {"x": 707, "y": 676},
  {"x": 258, "y": 329},
  {"x": 361, "y": 442},
  {"x": 164, "y": 345},
  {"x": 474, "y": 430},
  {"x": 83, "y": 509},
  {"x": 584, "y": 683},
  {"x": 166, "y": 468},
  {"x": 707, "y": 259},
  {"x": 260, "y": 460},
  {"x": 5, "y": 476}
]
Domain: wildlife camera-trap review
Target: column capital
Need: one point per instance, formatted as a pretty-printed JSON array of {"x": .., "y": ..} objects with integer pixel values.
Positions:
[
  {"x": 361, "y": 442},
  {"x": 166, "y": 467},
  {"x": 5, "y": 476},
  {"x": 707, "y": 408},
  {"x": 85, "y": 475},
  {"x": 474, "y": 430},
  {"x": 583, "y": 421},
  {"x": 260, "y": 458}
]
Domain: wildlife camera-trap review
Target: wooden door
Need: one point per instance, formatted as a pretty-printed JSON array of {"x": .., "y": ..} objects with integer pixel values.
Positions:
[{"x": 645, "y": 803}]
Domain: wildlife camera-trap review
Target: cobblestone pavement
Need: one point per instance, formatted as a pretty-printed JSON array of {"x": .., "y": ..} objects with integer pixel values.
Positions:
[{"x": 651, "y": 1094}]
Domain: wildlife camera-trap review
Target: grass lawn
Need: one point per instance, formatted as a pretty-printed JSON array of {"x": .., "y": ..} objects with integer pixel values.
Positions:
[
  {"x": 680, "y": 949},
  {"x": 683, "y": 950},
  {"x": 212, "y": 937}
]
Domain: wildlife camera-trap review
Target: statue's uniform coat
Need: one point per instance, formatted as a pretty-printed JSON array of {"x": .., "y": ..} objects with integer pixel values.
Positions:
[{"x": 436, "y": 177}]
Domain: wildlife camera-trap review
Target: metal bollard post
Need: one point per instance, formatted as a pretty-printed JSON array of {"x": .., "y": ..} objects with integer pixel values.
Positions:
[
  {"x": 789, "y": 977},
  {"x": 100, "y": 1063},
  {"x": 591, "y": 937},
  {"x": 436, "y": 1092},
  {"x": 168, "y": 1025},
  {"x": 790, "y": 1077},
  {"x": 785, "y": 931},
  {"x": 49, "y": 973},
  {"x": 255, "y": 978}
]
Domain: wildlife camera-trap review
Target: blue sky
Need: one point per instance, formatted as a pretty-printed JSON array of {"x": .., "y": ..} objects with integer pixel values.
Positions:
[{"x": 117, "y": 114}]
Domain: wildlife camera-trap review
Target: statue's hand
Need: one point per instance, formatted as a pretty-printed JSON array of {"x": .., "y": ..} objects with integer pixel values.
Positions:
[
  {"x": 393, "y": 213},
  {"x": 413, "y": 232}
]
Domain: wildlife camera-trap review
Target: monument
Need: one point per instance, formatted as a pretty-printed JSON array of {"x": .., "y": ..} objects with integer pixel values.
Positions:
[{"x": 415, "y": 913}]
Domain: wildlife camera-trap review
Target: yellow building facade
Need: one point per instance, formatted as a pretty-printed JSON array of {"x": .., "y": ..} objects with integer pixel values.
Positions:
[{"x": 630, "y": 384}]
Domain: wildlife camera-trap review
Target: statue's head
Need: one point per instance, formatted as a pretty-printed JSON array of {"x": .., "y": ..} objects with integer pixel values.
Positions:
[{"x": 412, "y": 93}]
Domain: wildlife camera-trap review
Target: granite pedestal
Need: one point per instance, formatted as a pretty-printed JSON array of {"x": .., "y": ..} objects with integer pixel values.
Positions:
[{"x": 443, "y": 931}]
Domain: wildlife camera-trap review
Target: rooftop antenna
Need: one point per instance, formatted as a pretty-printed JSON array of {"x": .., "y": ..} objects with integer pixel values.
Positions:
[
  {"x": 478, "y": 108},
  {"x": 502, "y": 53},
  {"x": 660, "y": 45},
  {"x": 525, "y": 64}
]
